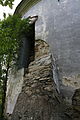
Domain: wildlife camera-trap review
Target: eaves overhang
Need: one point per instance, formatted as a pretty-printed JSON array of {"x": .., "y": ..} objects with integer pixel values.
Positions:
[{"x": 24, "y": 6}]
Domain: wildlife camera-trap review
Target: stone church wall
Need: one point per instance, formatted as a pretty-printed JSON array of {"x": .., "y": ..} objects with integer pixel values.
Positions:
[{"x": 59, "y": 24}]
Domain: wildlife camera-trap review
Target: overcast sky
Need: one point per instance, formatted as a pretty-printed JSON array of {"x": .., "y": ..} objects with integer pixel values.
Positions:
[{"x": 7, "y": 9}]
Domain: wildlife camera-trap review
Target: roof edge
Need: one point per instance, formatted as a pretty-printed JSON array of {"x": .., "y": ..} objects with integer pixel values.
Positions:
[{"x": 24, "y": 6}]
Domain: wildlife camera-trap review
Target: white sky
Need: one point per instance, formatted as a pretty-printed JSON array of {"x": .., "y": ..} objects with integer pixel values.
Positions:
[{"x": 8, "y": 10}]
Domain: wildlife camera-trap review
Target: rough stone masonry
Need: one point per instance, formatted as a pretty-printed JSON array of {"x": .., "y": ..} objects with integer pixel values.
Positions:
[{"x": 39, "y": 97}]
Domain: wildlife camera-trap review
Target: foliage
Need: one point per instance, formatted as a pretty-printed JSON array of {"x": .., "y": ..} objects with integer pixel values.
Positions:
[
  {"x": 7, "y": 3},
  {"x": 11, "y": 31}
]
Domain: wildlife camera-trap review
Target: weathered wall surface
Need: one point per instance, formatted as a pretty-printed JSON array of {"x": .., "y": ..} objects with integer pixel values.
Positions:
[
  {"x": 76, "y": 105},
  {"x": 14, "y": 87},
  {"x": 59, "y": 25},
  {"x": 39, "y": 98}
]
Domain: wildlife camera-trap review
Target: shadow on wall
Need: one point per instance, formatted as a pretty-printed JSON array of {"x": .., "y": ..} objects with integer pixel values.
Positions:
[{"x": 26, "y": 50}]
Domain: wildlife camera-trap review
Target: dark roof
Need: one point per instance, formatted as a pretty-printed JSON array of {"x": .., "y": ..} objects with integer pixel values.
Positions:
[{"x": 24, "y": 6}]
